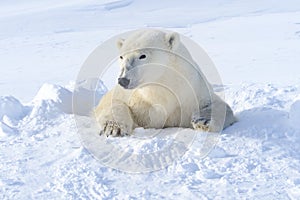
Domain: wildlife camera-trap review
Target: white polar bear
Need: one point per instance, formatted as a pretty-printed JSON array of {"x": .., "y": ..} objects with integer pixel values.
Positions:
[{"x": 160, "y": 86}]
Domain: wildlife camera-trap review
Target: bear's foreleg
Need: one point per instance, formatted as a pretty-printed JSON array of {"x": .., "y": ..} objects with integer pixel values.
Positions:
[{"x": 114, "y": 117}]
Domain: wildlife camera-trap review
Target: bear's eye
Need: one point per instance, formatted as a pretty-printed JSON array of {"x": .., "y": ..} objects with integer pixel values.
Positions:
[
  {"x": 142, "y": 57},
  {"x": 121, "y": 57}
]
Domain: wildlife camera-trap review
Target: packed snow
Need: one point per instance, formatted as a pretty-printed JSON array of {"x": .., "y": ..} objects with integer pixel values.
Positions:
[{"x": 255, "y": 46}]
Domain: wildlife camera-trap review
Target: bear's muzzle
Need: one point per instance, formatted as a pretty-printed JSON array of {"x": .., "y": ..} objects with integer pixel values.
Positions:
[{"x": 124, "y": 82}]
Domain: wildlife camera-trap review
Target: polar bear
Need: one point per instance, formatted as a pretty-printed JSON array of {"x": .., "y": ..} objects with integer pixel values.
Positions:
[{"x": 159, "y": 86}]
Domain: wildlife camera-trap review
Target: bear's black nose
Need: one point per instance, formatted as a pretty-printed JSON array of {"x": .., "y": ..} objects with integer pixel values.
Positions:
[{"x": 123, "y": 82}]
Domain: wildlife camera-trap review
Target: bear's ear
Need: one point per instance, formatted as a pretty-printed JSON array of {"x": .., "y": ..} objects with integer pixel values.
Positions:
[
  {"x": 172, "y": 40},
  {"x": 120, "y": 43}
]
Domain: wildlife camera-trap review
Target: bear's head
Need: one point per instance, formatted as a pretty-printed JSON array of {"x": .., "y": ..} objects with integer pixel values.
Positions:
[{"x": 145, "y": 57}]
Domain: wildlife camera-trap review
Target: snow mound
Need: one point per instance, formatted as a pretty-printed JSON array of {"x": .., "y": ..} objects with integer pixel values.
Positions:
[
  {"x": 53, "y": 99},
  {"x": 252, "y": 95},
  {"x": 12, "y": 108},
  {"x": 54, "y": 95}
]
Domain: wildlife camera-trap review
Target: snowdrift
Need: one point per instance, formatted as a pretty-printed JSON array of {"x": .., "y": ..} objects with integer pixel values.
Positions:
[{"x": 251, "y": 158}]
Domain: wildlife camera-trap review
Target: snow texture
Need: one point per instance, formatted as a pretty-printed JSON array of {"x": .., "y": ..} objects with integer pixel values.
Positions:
[{"x": 255, "y": 46}]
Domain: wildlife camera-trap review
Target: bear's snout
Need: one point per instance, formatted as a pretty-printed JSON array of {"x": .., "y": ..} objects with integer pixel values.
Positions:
[{"x": 124, "y": 82}]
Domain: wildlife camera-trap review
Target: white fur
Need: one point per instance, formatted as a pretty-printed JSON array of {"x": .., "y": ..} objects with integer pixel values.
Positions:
[{"x": 166, "y": 88}]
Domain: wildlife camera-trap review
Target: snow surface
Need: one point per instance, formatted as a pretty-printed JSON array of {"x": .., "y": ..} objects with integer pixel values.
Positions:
[{"x": 255, "y": 46}]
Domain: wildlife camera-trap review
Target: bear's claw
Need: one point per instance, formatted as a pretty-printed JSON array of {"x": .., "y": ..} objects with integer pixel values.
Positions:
[
  {"x": 112, "y": 128},
  {"x": 201, "y": 123}
]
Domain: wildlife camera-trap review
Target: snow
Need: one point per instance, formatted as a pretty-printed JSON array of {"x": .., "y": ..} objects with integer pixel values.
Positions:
[
  {"x": 11, "y": 107},
  {"x": 255, "y": 47},
  {"x": 295, "y": 114}
]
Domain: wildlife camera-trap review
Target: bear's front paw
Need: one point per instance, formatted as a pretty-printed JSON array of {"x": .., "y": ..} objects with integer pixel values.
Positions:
[
  {"x": 114, "y": 129},
  {"x": 201, "y": 123}
]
